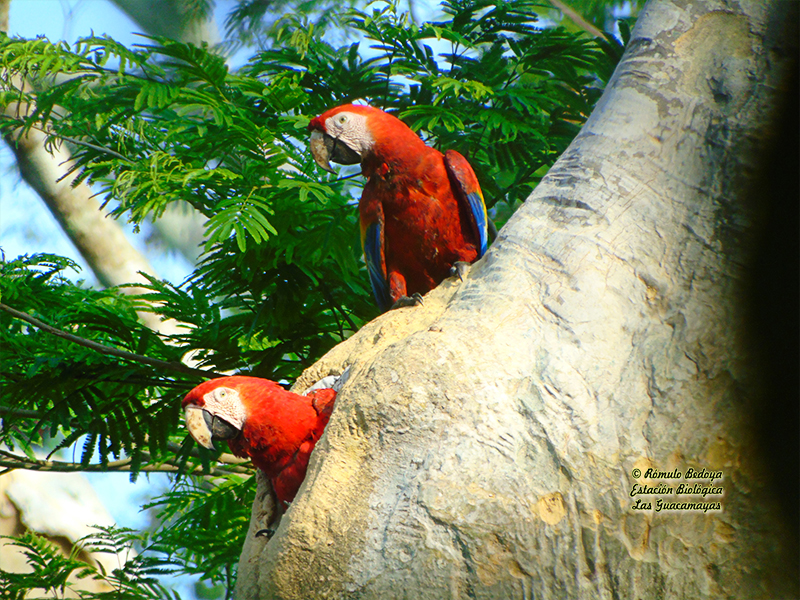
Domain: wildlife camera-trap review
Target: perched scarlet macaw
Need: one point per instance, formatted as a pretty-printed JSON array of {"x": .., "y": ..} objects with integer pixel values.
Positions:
[
  {"x": 260, "y": 420},
  {"x": 421, "y": 211}
]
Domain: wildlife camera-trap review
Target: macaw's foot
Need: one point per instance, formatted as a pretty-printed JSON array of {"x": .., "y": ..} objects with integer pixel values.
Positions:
[
  {"x": 273, "y": 526},
  {"x": 412, "y": 300},
  {"x": 459, "y": 268}
]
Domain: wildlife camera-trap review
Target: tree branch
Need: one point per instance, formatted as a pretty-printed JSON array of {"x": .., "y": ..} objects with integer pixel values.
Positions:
[
  {"x": 20, "y": 413},
  {"x": 108, "y": 350},
  {"x": 15, "y": 461},
  {"x": 576, "y": 18},
  {"x": 64, "y": 138},
  {"x": 170, "y": 18},
  {"x": 225, "y": 457}
]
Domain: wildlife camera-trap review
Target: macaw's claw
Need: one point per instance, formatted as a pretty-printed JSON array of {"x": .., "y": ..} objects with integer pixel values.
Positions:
[
  {"x": 460, "y": 269},
  {"x": 272, "y": 528},
  {"x": 412, "y": 300},
  {"x": 267, "y": 533}
]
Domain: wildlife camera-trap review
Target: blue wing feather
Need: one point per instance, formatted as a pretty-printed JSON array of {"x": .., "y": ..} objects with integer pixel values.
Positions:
[
  {"x": 468, "y": 191},
  {"x": 377, "y": 278},
  {"x": 478, "y": 209}
]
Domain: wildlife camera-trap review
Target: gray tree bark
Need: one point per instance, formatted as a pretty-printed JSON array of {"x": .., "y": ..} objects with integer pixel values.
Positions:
[{"x": 487, "y": 443}]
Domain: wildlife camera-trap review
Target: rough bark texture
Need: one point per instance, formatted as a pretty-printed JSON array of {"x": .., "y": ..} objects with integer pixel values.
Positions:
[{"x": 486, "y": 442}]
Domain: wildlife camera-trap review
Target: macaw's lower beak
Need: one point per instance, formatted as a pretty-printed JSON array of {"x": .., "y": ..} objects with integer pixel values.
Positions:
[
  {"x": 205, "y": 427},
  {"x": 325, "y": 148}
]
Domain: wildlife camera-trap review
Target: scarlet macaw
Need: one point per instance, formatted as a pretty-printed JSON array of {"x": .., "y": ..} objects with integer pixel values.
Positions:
[
  {"x": 260, "y": 420},
  {"x": 422, "y": 213}
]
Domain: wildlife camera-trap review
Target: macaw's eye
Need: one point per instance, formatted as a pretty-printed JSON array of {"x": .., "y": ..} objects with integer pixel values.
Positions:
[
  {"x": 342, "y": 119},
  {"x": 221, "y": 394}
]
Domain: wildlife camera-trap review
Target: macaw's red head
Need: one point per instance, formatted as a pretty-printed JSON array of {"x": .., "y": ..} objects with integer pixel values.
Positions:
[
  {"x": 350, "y": 133},
  {"x": 218, "y": 409}
]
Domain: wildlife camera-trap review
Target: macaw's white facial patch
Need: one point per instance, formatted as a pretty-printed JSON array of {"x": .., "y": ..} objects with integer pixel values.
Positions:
[
  {"x": 226, "y": 404},
  {"x": 197, "y": 426},
  {"x": 350, "y": 128}
]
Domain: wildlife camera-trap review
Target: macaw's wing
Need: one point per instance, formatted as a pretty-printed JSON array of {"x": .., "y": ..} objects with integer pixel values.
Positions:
[
  {"x": 469, "y": 195},
  {"x": 372, "y": 240}
]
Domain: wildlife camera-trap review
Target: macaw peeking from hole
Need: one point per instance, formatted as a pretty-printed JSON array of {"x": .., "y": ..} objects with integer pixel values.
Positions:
[
  {"x": 260, "y": 420},
  {"x": 422, "y": 212}
]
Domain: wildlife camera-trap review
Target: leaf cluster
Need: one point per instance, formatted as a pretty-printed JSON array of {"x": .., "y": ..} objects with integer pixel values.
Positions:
[
  {"x": 56, "y": 393},
  {"x": 193, "y": 535},
  {"x": 138, "y": 576}
]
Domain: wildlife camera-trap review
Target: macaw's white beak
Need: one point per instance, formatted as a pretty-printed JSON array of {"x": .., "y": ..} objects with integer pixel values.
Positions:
[
  {"x": 197, "y": 427},
  {"x": 321, "y": 146},
  {"x": 205, "y": 427}
]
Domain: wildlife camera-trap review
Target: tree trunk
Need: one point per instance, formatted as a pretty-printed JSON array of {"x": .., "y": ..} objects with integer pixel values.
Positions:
[{"x": 488, "y": 443}]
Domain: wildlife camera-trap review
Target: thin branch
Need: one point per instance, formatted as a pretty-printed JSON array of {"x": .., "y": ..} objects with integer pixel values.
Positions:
[
  {"x": 576, "y": 18},
  {"x": 21, "y": 413},
  {"x": 108, "y": 350},
  {"x": 329, "y": 298},
  {"x": 225, "y": 458},
  {"x": 346, "y": 177},
  {"x": 64, "y": 138},
  {"x": 92, "y": 146},
  {"x": 14, "y": 461}
]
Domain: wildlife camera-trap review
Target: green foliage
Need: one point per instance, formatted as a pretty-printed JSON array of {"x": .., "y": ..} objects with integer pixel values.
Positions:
[
  {"x": 191, "y": 540},
  {"x": 50, "y": 569},
  {"x": 249, "y": 23},
  {"x": 194, "y": 537},
  {"x": 281, "y": 280},
  {"x": 135, "y": 579},
  {"x": 51, "y": 387}
]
